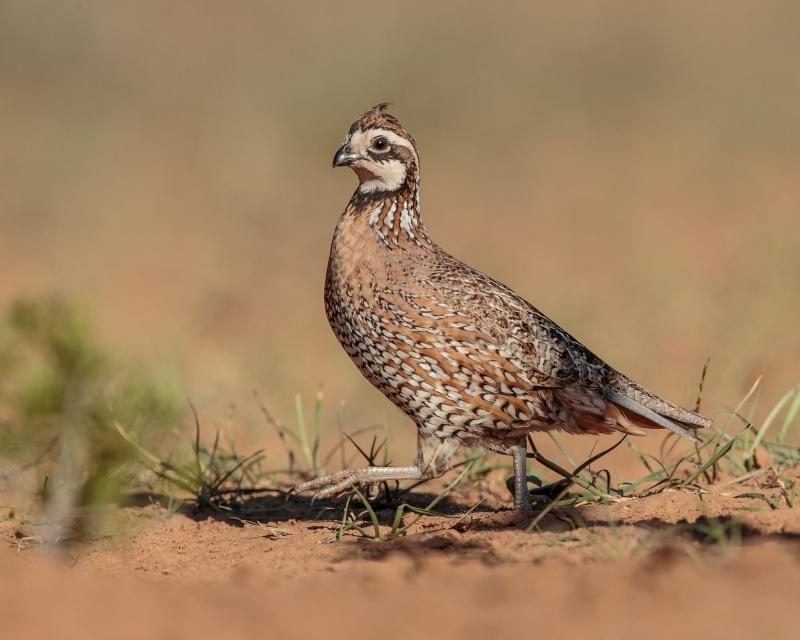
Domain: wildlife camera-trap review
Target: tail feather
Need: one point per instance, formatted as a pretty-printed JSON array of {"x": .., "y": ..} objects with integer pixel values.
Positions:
[
  {"x": 643, "y": 397},
  {"x": 639, "y": 409}
]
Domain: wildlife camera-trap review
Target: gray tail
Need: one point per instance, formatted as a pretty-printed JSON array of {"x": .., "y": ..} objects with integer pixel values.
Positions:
[{"x": 635, "y": 398}]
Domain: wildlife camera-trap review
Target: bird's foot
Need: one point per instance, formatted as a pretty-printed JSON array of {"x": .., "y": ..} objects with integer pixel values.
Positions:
[
  {"x": 336, "y": 484},
  {"x": 527, "y": 502},
  {"x": 524, "y": 499}
]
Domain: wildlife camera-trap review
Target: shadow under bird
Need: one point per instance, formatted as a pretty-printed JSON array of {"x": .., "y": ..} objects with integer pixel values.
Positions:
[{"x": 466, "y": 358}]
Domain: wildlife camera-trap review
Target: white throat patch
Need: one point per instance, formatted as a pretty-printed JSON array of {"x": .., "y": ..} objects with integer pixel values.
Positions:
[{"x": 389, "y": 176}]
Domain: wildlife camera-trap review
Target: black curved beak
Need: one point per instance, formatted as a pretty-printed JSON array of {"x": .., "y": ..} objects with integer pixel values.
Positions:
[{"x": 345, "y": 158}]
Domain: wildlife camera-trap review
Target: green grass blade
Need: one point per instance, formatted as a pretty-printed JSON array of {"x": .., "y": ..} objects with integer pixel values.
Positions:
[
  {"x": 372, "y": 514},
  {"x": 713, "y": 459},
  {"x": 137, "y": 446},
  {"x": 790, "y": 415},
  {"x": 791, "y": 498},
  {"x": 434, "y": 502},
  {"x": 771, "y": 417},
  {"x": 398, "y": 518},
  {"x": 639, "y": 455},
  {"x": 301, "y": 428},
  {"x": 739, "y": 406},
  {"x": 572, "y": 476},
  {"x": 285, "y": 428},
  {"x": 569, "y": 476},
  {"x": 597, "y": 456},
  {"x": 428, "y": 512},
  {"x": 561, "y": 448},
  {"x": 183, "y": 480},
  {"x": 385, "y": 443},
  {"x": 757, "y": 496},
  {"x": 447, "y": 490},
  {"x": 343, "y": 528},
  {"x": 341, "y": 434},
  {"x": 210, "y": 467},
  {"x": 243, "y": 464},
  {"x": 317, "y": 430}
]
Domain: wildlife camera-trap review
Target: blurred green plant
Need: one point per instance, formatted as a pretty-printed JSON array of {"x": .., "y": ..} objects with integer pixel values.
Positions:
[{"x": 60, "y": 396}]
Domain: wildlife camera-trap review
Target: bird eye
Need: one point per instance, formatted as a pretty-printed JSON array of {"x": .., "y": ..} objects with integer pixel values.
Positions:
[{"x": 380, "y": 144}]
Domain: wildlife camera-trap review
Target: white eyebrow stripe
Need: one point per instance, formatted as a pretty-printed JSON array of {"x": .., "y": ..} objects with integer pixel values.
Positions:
[
  {"x": 392, "y": 137},
  {"x": 357, "y": 140}
]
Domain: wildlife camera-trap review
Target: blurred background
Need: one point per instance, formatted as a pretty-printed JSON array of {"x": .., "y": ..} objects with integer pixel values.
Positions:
[{"x": 632, "y": 169}]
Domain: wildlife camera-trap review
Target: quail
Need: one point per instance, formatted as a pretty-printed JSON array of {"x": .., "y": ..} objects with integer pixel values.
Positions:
[{"x": 467, "y": 359}]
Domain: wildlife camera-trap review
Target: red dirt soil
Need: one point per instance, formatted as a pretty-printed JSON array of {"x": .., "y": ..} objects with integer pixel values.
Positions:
[{"x": 276, "y": 573}]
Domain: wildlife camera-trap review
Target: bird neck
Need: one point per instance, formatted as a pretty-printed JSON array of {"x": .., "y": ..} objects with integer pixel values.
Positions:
[{"x": 394, "y": 216}]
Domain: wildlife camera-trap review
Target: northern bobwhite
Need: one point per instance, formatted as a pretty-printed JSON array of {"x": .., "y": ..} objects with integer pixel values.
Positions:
[{"x": 467, "y": 359}]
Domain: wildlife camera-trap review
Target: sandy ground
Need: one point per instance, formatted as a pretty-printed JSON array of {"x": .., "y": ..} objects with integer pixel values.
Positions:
[{"x": 274, "y": 571}]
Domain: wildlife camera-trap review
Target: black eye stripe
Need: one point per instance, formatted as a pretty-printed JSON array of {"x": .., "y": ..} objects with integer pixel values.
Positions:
[{"x": 383, "y": 156}]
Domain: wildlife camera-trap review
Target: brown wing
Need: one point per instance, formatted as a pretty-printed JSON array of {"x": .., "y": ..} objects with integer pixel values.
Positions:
[
  {"x": 456, "y": 377},
  {"x": 549, "y": 355}
]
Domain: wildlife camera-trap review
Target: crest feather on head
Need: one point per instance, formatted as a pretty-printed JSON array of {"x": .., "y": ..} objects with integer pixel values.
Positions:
[{"x": 377, "y": 118}]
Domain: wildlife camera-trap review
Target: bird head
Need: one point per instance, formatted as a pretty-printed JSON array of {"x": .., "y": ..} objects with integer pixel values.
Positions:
[{"x": 380, "y": 151}]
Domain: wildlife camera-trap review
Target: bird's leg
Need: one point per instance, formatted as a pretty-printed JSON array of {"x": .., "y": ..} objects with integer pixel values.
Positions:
[
  {"x": 522, "y": 497},
  {"x": 518, "y": 450},
  {"x": 432, "y": 461}
]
